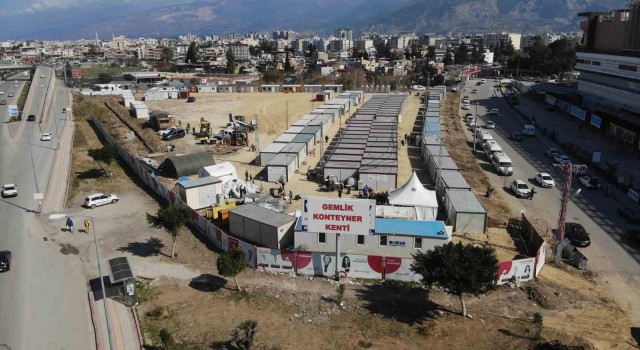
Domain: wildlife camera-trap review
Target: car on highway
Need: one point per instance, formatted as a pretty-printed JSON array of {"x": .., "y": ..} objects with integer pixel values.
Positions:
[
  {"x": 5, "y": 261},
  {"x": 466, "y": 106},
  {"x": 98, "y": 199},
  {"x": 494, "y": 111},
  {"x": 576, "y": 234},
  {"x": 520, "y": 189},
  {"x": 561, "y": 159},
  {"x": 550, "y": 152},
  {"x": 516, "y": 136},
  {"x": 46, "y": 137},
  {"x": 629, "y": 214},
  {"x": 490, "y": 124},
  {"x": 191, "y": 99},
  {"x": 589, "y": 182},
  {"x": 545, "y": 180},
  {"x": 9, "y": 190},
  {"x": 3, "y": 102},
  {"x": 10, "y": 94},
  {"x": 31, "y": 118},
  {"x": 474, "y": 91}
]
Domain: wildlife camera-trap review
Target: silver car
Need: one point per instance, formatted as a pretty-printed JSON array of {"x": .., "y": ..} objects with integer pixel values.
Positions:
[{"x": 98, "y": 199}]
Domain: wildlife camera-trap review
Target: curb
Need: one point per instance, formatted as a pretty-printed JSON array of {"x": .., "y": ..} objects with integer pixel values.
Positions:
[
  {"x": 134, "y": 311},
  {"x": 97, "y": 334}
]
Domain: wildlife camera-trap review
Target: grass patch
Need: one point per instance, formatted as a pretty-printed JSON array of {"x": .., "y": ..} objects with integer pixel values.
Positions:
[
  {"x": 93, "y": 72},
  {"x": 144, "y": 291},
  {"x": 23, "y": 96}
]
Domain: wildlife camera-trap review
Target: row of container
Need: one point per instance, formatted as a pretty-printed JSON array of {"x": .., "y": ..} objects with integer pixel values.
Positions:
[
  {"x": 366, "y": 148},
  {"x": 463, "y": 209}
]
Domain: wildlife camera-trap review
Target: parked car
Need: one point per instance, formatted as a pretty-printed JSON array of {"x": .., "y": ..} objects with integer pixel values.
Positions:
[
  {"x": 468, "y": 115},
  {"x": 3, "y": 102},
  {"x": 174, "y": 134},
  {"x": 576, "y": 234},
  {"x": 465, "y": 99},
  {"x": 516, "y": 136},
  {"x": 466, "y": 106},
  {"x": 191, "y": 99},
  {"x": 629, "y": 214},
  {"x": 590, "y": 182},
  {"x": 31, "y": 118},
  {"x": 46, "y": 137},
  {"x": 164, "y": 131},
  {"x": 494, "y": 111},
  {"x": 545, "y": 180},
  {"x": 490, "y": 124},
  {"x": 453, "y": 89},
  {"x": 10, "y": 94},
  {"x": 5, "y": 261},
  {"x": 550, "y": 152},
  {"x": 520, "y": 189},
  {"x": 561, "y": 159},
  {"x": 9, "y": 190},
  {"x": 474, "y": 91},
  {"x": 98, "y": 199},
  {"x": 494, "y": 95}
]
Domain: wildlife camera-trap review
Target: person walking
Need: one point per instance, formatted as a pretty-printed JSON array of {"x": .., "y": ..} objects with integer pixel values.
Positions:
[
  {"x": 87, "y": 225},
  {"x": 290, "y": 196},
  {"x": 69, "y": 224},
  {"x": 246, "y": 175},
  {"x": 339, "y": 192},
  {"x": 533, "y": 191},
  {"x": 326, "y": 139}
]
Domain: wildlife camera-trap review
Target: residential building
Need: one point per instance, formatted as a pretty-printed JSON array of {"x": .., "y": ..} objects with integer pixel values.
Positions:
[
  {"x": 609, "y": 66},
  {"x": 287, "y": 35},
  {"x": 339, "y": 45},
  {"x": 493, "y": 39},
  {"x": 400, "y": 41},
  {"x": 240, "y": 51},
  {"x": 344, "y": 34}
]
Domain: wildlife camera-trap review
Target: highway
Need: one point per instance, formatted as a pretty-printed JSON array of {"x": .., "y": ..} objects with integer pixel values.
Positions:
[
  {"x": 43, "y": 299},
  {"x": 610, "y": 254}
]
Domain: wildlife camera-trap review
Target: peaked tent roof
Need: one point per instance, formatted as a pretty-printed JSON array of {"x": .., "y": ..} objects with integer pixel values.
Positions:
[{"x": 413, "y": 193}]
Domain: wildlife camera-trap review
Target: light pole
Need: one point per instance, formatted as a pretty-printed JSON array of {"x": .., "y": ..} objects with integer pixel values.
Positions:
[
  {"x": 475, "y": 134},
  {"x": 104, "y": 293},
  {"x": 35, "y": 177}
]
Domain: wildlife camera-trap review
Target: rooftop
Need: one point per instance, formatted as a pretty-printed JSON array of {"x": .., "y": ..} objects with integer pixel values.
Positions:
[
  {"x": 263, "y": 215},
  {"x": 203, "y": 181},
  {"x": 416, "y": 228}
]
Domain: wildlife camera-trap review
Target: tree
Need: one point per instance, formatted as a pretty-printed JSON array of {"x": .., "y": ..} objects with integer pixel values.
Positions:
[
  {"x": 537, "y": 56},
  {"x": 448, "y": 58},
  {"x": 287, "y": 64},
  {"x": 167, "y": 54},
  {"x": 243, "y": 335},
  {"x": 104, "y": 78},
  {"x": 231, "y": 263},
  {"x": 461, "y": 56},
  {"x": 383, "y": 50},
  {"x": 172, "y": 218},
  {"x": 458, "y": 269},
  {"x": 105, "y": 155},
  {"x": 192, "y": 53},
  {"x": 431, "y": 53},
  {"x": 477, "y": 54},
  {"x": 563, "y": 56},
  {"x": 231, "y": 62}
]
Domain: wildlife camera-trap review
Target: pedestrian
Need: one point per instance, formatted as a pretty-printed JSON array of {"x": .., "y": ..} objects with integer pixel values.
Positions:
[
  {"x": 339, "y": 192},
  {"x": 87, "y": 225},
  {"x": 326, "y": 139},
  {"x": 69, "y": 224},
  {"x": 246, "y": 175},
  {"x": 290, "y": 196},
  {"x": 402, "y": 142},
  {"x": 533, "y": 191}
]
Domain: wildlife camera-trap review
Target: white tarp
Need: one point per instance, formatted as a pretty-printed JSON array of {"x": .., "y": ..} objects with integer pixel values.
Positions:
[
  {"x": 232, "y": 187},
  {"x": 412, "y": 193},
  {"x": 391, "y": 212},
  {"x": 223, "y": 171}
]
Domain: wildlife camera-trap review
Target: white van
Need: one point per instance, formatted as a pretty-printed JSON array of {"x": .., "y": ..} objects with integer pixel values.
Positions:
[
  {"x": 484, "y": 137},
  {"x": 490, "y": 147},
  {"x": 502, "y": 163},
  {"x": 528, "y": 130}
]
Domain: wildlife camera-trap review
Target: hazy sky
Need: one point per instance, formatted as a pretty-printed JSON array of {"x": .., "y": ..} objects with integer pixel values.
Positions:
[{"x": 22, "y": 7}]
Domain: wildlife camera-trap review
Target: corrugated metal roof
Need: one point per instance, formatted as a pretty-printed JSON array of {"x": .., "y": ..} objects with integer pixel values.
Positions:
[
  {"x": 303, "y": 138},
  {"x": 263, "y": 215},
  {"x": 199, "y": 182},
  {"x": 416, "y": 228},
  {"x": 454, "y": 179},
  {"x": 464, "y": 201},
  {"x": 274, "y": 147},
  {"x": 283, "y": 159}
]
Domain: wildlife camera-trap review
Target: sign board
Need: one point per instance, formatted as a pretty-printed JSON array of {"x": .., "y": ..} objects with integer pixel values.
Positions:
[
  {"x": 633, "y": 194},
  {"x": 516, "y": 270},
  {"x": 596, "y": 157},
  {"x": 13, "y": 110},
  {"x": 38, "y": 196},
  {"x": 330, "y": 215},
  {"x": 550, "y": 99},
  {"x": 76, "y": 73},
  {"x": 578, "y": 113},
  {"x": 596, "y": 121}
]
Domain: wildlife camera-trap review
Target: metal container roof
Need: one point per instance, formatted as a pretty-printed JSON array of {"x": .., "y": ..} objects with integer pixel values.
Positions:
[
  {"x": 293, "y": 148},
  {"x": 274, "y": 147},
  {"x": 303, "y": 138},
  {"x": 199, "y": 182},
  {"x": 294, "y": 130},
  {"x": 341, "y": 165},
  {"x": 285, "y": 138},
  {"x": 263, "y": 215},
  {"x": 454, "y": 179},
  {"x": 465, "y": 201},
  {"x": 283, "y": 159}
]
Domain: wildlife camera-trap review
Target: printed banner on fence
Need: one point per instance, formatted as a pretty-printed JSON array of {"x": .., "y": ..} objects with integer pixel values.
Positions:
[
  {"x": 249, "y": 253},
  {"x": 578, "y": 113},
  {"x": 552, "y": 100},
  {"x": 540, "y": 257},
  {"x": 400, "y": 269},
  {"x": 512, "y": 271},
  {"x": 357, "y": 266},
  {"x": 596, "y": 121}
]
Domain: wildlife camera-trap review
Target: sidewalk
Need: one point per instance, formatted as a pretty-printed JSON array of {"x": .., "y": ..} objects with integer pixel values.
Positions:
[
  {"x": 568, "y": 128},
  {"x": 123, "y": 326}
]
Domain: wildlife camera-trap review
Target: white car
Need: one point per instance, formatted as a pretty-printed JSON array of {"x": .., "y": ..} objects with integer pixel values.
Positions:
[
  {"x": 166, "y": 131},
  {"x": 494, "y": 95},
  {"x": 520, "y": 189},
  {"x": 466, "y": 106},
  {"x": 561, "y": 159},
  {"x": 590, "y": 182},
  {"x": 46, "y": 137},
  {"x": 545, "y": 180},
  {"x": 98, "y": 199},
  {"x": 494, "y": 111},
  {"x": 490, "y": 125},
  {"x": 9, "y": 190}
]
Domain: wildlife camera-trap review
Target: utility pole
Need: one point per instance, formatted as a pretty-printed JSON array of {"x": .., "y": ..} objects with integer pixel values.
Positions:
[
  {"x": 567, "y": 170},
  {"x": 286, "y": 114},
  {"x": 475, "y": 134},
  {"x": 257, "y": 142}
]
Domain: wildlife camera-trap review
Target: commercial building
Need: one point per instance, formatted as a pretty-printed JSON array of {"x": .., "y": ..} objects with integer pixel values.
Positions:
[
  {"x": 240, "y": 51},
  {"x": 494, "y": 39}
]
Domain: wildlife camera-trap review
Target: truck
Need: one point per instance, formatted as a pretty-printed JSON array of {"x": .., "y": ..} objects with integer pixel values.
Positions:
[
  {"x": 239, "y": 121},
  {"x": 204, "y": 135}
]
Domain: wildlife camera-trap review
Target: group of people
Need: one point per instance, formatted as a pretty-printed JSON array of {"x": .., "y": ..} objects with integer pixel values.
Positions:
[
  {"x": 247, "y": 177},
  {"x": 312, "y": 174},
  {"x": 409, "y": 139},
  {"x": 381, "y": 198}
]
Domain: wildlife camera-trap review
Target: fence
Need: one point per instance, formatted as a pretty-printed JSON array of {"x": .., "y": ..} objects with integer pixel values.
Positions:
[{"x": 526, "y": 269}]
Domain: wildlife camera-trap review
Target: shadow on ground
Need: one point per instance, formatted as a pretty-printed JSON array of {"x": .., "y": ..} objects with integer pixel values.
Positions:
[
  {"x": 152, "y": 246},
  {"x": 208, "y": 283},
  {"x": 402, "y": 303}
]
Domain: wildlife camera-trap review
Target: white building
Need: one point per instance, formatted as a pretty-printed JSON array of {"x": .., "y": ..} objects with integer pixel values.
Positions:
[
  {"x": 493, "y": 39},
  {"x": 240, "y": 51},
  {"x": 341, "y": 45},
  {"x": 400, "y": 41},
  {"x": 344, "y": 34}
]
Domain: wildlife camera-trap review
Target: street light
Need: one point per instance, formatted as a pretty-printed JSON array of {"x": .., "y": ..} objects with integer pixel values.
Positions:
[{"x": 55, "y": 217}]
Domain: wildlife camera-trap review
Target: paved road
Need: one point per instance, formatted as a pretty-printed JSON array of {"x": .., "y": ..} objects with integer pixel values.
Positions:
[
  {"x": 43, "y": 303},
  {"x": 610, "y": 253}
]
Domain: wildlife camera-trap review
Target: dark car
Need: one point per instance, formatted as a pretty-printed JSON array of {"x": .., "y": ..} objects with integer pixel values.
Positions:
[
  {"x": 31, "y": 118},
  {"x": 634, "y": 235},
  {"x": 174, "y": 134},
  {"x": 5, "y": 261},
  {"x": 576, "y": 234},
  {"x": 631, "y": 215},
  {"x": 516, "y": 136},
  {"x": 191, "y": 99}
]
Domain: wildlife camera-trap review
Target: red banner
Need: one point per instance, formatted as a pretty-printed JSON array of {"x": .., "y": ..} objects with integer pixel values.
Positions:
[{"x": 76, "y": 73}]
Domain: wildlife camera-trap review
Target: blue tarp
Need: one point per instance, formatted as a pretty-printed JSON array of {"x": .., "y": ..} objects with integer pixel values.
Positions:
[{"x": 429, "y": 229}]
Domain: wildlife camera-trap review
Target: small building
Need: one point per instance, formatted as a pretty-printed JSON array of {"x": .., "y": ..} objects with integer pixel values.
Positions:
[
  {"x": 140, "y": 109},
  {"x": 271, "y": 151},
  {"x": 201, "y": 192},
  {"x": 291, "y": 88},
  {"x": 334, "y": 88},
  {"x": 223, "y": 171},
  {"x": 307, "y": 139},
  {"x": 314, "y": 130},
  {"x": 269, "y": 88},
  {"x": 450, "y": 180},
  {"x": 393, "y": 237},
  {"x": 435, "y": 162},
  {"x": 282, "y": 167},
  {"x": 183, "y": 93},
  {"x": 262, "y": 226},
  {"x": 128, "y": 98},
  {"x": 297, "y": 149},
  {"x": 465, "y": 212},
  {"x": 378, "y": 178},
  {"x": 285, "y": 138},
  {"x": 341, "y": 170},
  {"x": 186, "y": 165},
  {"x": 312, "y": 88},
  {"x": 294, "y": 130}
]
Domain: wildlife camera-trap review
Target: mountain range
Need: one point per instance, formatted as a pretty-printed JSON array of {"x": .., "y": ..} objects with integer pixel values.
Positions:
[{"x": 166, "y": 19}]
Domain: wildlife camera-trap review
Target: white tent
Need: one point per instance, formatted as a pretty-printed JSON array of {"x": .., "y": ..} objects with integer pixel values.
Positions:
[
  {"x": 223, "y": 171},
  {"x": 412, "y": 193}
]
